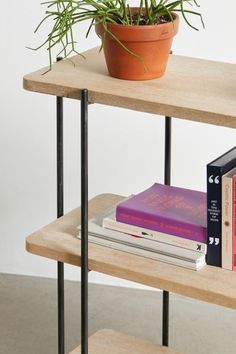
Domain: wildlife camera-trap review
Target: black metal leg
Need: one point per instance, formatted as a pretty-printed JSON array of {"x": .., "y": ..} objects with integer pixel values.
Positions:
[
  {"x": 84, "y": 221},
  {"x": 60, "y": 211},
  {"x": 165, "y": 305},
  {"x": 165, "y": 319},
  {"x": 60, "y": 290}
]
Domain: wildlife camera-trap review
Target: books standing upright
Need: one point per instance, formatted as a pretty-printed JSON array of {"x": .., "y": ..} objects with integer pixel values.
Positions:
[
  {"x": 168, "y": 209},
  {"x": 227, "y": 219},
  {"x": 234, "y": 224},
  {"x": 215, "y": 170}
]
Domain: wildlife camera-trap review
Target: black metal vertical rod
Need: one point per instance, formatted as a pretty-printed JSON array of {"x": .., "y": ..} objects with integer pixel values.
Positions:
[
  {"x": 84, "y": 221},
  {"x": 165, "y": 304},
  {"x": 167, "y": 150},
  {"x": 60, "y": 211}
]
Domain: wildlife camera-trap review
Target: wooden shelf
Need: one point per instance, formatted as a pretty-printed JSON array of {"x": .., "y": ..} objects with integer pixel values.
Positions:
[
  {"x": 111, "y": 342},
  {"x": 59, "y": 241},
  {"x": 192, "y": 89}
]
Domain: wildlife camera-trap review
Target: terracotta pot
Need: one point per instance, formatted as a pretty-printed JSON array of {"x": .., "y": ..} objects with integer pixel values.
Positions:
[{"x": 151, "y": 43}]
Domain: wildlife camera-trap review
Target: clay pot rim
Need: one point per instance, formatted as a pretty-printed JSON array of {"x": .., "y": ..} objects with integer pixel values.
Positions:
[
  {"x": 144, "y": 33},
  {"x": 144, "y": 27}
]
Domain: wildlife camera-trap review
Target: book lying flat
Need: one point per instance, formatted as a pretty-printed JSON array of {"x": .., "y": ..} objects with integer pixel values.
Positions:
[
  {"x": 172, "y": 210},
  {"x": 143, "y": 247},
  {"x": 200, "y": 263},
  {"x": 110, "y": 222}
]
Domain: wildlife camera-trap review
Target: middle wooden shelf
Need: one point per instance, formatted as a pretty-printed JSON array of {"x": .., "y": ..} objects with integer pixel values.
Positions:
[{"x": 59, "y": 241}]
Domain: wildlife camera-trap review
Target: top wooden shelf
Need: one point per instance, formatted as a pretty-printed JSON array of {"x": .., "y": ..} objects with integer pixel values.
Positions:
[{"x": 192, "y": 89}]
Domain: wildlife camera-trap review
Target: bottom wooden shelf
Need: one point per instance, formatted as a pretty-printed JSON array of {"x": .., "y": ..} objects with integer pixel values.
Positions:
[{"x": 107, "y": 341}]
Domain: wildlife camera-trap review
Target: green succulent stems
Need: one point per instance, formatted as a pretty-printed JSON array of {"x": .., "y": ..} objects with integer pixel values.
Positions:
[{"x": 64, "y": 15}]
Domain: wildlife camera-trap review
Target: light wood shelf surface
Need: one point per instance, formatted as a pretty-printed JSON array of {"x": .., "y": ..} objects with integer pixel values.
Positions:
[
  {"x": 59, "y": 241},
  {"x": 192, "y": 89},
  {"x": 110, "y": 342}
]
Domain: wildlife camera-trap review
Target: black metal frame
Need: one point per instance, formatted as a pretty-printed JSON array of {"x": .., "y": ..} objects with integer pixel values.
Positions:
[
  {"x": 165, "y": 300},
  {"x": 84, "y": 223},
  {"x": 60, "y": 212},
  {"x": 167, "y": 177}
]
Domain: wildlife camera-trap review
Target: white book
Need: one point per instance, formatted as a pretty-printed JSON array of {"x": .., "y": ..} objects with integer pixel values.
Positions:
[
  {"x": 96, "y": 230},
  {"x": 110, "y": 222},
  {"x": 148, "y": 254}
]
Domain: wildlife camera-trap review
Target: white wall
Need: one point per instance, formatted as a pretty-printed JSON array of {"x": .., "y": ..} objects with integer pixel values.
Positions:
[{"x": 126, "y": 148}]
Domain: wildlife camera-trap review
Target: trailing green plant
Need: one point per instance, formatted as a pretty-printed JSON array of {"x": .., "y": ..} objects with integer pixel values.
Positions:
[{"x": 65, "y": 14}]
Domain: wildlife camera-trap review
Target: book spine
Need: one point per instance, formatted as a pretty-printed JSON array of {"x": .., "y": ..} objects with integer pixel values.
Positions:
[
  {"x": 154, "y": 235},
  {"x": 234, "y": 225},
  {"x": 161, "y": 224},
  {"x": 214, "y": 216},
  {"x": 227, "y": 201}
]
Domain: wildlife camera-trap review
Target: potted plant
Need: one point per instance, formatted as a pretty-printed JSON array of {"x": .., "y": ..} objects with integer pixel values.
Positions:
[{"x": 136, "y": 40}]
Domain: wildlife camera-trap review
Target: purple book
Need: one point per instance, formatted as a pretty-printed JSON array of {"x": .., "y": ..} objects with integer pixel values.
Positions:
[{"x": 172, "y": 210}]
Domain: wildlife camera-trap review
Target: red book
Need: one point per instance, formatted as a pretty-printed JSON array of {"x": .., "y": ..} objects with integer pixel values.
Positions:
[
  {"x": 234, "y": 224},
  {"x": 227, "y": 218}
]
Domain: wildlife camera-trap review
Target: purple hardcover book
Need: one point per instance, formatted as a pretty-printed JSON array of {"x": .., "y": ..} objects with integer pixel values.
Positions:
[{"x": 172, "y": 210}]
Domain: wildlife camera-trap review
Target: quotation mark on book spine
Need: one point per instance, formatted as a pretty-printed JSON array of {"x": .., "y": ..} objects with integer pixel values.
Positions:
[
  {"x": 214, "y": 241},
  {"x": 213, "y": 179}
]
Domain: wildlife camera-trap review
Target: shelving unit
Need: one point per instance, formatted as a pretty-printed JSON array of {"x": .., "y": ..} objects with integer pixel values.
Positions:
[{"x": 192, "y": 89}]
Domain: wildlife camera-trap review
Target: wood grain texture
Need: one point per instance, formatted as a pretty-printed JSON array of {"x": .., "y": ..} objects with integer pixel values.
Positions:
[
  {"x": 192, "y": 89},
  {"x": 59, "y": 241},
  {"x": 110, "y": 342}
]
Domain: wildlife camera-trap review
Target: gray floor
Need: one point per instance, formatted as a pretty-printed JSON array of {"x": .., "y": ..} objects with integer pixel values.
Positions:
[{"x": 28, "y": 317}]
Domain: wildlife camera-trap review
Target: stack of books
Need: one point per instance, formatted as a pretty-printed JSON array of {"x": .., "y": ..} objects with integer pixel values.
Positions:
[
  {"x": 221, "y": 211},
  {"x": 164, "y": 223}
]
